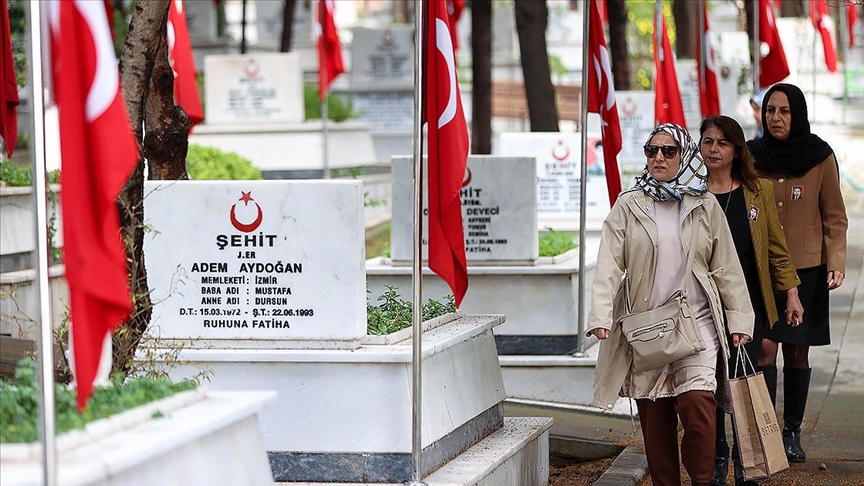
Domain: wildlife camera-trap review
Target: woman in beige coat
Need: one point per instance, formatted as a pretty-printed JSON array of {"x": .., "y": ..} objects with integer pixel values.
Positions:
[{"x": 646, "y": 239}]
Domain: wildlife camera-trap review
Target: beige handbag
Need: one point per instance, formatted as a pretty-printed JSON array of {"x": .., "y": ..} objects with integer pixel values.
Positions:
[{"x": 663, "y": 335}]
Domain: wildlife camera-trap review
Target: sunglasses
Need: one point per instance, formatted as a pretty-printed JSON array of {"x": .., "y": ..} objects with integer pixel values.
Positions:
[{"x": 668, "y": 151}]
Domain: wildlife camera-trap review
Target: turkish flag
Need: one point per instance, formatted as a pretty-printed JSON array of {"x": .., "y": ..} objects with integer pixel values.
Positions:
[
  {"x": 99, "y": 152},
  {"x": 329, "y": 48},
  {"x": 9, "y": 88},
  {"x": 448, "y": 153},
  {"x": 601, "y": 99},
  {"x": 183, "y": 64},
  {"x": 667, "y": 98},
  {"x": 819, "y": 17},
  {"x": 773, "y": 67},
  {"x": 709, "y": 97},
  {"x": 851, "y": 19}
]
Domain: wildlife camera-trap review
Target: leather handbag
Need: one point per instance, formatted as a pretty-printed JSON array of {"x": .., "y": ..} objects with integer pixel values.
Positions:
[{"x": 663, "y": 335}]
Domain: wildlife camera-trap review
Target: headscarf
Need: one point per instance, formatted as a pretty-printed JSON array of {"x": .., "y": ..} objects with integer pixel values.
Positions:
[
  {"x": 801, "y": 151},
  {"x": 692, "y": 174}
]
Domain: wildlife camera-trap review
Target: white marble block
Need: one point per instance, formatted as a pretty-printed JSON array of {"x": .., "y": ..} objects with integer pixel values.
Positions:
[
  {"x": 636, "y": 112},
  {"x": 558, "y": 170},
  {"x": 499, "y": 213},
  {"x": 254, "y": 88},
  {"x": 256, "y": 263}
]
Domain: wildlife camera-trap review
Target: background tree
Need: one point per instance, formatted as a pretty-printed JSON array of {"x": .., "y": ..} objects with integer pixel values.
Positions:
[
  {"x": 287, "y": 25},
  {"x": 531, "y": 19},
  {"x": 686, "y": 14},
  {"x": 481, "y": 55},
  {"x": 795, "y": 8},
  {"x": 401, "y": 12},
  {"x": 621, "y": 71},
  {"x": 149, "y": 94}
]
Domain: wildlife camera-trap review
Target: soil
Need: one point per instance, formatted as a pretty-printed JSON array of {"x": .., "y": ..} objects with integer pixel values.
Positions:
[{"x": 564, "y": 472}]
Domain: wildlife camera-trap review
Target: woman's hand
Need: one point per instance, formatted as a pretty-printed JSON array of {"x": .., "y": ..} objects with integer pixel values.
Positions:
[
  {"x": 740, "y": 339},
  {"x": 794, "y": 309},
  {"x": 600, "y": 333},
  {"x": 835, "y": 279}
]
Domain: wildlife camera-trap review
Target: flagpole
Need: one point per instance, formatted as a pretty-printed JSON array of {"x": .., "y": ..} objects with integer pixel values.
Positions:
[
  {"x": 703, "y": 56},
  {"x": 45, "y": 352},
  {"x": 417, "y": 266},
  {"x": 583, "y": 177},
  {"x": 757, "y": 48}
]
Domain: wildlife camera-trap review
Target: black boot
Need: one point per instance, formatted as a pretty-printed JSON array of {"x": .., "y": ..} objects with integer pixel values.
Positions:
[
  {"x": 796, "y": 385},
  {"x": 770, "y": 374},
  {"x": 739, "y": 469},
  {"x": 721, "y": 460}
]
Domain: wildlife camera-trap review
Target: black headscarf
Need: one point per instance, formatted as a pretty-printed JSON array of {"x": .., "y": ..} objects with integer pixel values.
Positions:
[{"x": 801, "y": 151}]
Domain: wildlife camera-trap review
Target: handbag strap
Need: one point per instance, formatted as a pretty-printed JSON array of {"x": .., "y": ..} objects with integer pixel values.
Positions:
[
  {"x": 743, "y": 359},
  {"x": 628, "y": 308}
]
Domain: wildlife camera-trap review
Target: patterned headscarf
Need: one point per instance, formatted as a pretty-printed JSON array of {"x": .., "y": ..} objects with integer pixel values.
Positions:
[{"x": 692, "y": 174}]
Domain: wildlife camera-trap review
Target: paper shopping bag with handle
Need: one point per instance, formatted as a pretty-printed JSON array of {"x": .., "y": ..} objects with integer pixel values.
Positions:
[{"x": 760, "y": 443}]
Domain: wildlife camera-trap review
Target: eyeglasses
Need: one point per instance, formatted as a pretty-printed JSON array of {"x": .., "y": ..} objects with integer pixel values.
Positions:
[{"x": 668, "y": 151}]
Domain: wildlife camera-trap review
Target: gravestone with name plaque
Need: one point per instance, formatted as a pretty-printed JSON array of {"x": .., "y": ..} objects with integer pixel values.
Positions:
[
  {"x": 254, "y": 88},
  {"x": 277, "y": 264},
  {"x": 559, "y": 172},
  {"x": 499, "y": 211},
  {"x": 636, "y": 114}
]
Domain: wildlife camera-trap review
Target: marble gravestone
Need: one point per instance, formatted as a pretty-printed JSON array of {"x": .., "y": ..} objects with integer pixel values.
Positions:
[
  {"x": 499, "y": 212},
  {"x": 257, "y": 88},
  {"x": 275, "y": 264},
  {"x": 558, "y": 175},
  {"x": 636, "y": 113},
  {"x": 382, "y": 78},
  {"x": 201, "y": 21}
]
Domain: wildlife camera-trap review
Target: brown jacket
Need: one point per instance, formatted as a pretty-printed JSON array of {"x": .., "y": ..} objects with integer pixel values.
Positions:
[
  {"x": 812, "y": 214},
  {"x": 773, "y": 262},
  {"x": 628, "y": 242}
]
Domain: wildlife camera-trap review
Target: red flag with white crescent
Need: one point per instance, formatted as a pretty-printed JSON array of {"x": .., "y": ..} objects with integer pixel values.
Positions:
[
  {"x": 448, "y": 146},
  {"x": 709, "y": 96},
  {"x": 330, "y": 62},
  {"x": 601, "y": 99},
  {"x": 8, "y": 84},
  {"x": 183, "y": 64},
  {"x": 667, "y": 97},
  {"x": 454, "y": 12},
  {"x": 773, "y": 67},
  {"x": 821, "y": 21},
  {"x": 99, "y": 152}
]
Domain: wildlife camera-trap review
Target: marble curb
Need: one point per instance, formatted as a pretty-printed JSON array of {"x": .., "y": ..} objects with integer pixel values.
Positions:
[{"x": 628, "y": 469}]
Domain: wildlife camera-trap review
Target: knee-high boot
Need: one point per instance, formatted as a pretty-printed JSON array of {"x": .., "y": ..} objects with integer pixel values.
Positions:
[
  {"x": 770, "y": 374},
  {"x": 796, "y": 385},
  {"x": 721, "y": 460}
]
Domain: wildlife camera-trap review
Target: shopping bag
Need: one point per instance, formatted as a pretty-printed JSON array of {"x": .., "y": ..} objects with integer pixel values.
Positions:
[{"x": 760, "y": 442}]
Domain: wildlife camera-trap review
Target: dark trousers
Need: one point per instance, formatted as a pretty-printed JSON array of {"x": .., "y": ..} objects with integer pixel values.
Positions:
[{"x": 659, "y": 419}]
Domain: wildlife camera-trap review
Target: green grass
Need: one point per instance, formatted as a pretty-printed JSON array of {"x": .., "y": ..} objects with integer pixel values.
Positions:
[
  {"x": 378, "y": 240},
  {"x": 555, "y": 243}
]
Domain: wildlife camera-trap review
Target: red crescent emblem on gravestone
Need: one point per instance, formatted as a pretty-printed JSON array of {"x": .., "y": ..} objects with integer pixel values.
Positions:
[
  {"x": 252, "y": 68},
  {"x": 246, "y": 228},
  {"x": 560, "y": 151},
  {"x": 467, "y": 177},
  {"x": 387, "y": 38},
  {"x": 629, "y": 107}
]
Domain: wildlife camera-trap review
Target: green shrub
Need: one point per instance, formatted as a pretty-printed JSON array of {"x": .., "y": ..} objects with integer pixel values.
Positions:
[
  {"x": 18, "y": 175},
  {"x": 20, "y": 404},
  {"x": 556, "y": 242},
  {"x": 209, "y": 163},
  {"x": 395, "y": 314},
  {"x": 337, "y": 108}
]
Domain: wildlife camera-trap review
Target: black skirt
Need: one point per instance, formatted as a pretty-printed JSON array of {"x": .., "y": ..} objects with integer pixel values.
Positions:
[{"x": 813, "y": 293}]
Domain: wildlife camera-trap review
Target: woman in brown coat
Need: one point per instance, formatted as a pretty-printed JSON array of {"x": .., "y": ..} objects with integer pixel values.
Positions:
[
  {"x": 748, "y": 203},
  {"x": 806, "y": 182}
]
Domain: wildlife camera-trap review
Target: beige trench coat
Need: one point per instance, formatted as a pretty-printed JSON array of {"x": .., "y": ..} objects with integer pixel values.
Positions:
[{"x": 629, "y": 242}]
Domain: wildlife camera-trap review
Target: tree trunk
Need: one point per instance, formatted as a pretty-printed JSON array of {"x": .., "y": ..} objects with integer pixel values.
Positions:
[
  {"x": 531, "y": 18},
  {"x": 136, "y": 66},
  {"x": 401, "y": 12},
  {"x": 167, "y": 138},
  {"x": 287, "y": 25},
  {"x": 795, "y": 8},
  {"x": 481, "y": 54},
  {"x": 686, "y": 13},
  {"x": 618, "y": 51}
]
